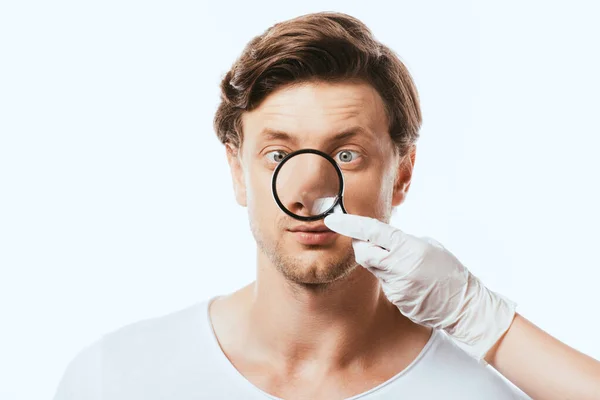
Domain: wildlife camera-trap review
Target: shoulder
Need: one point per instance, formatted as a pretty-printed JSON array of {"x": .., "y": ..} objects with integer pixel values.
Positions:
[
  {"x": 164, "y": 335},
  {"x": 136, "y": 351},
  {"x": 456, "y": 372},
  {"x": 83, "y": 376}
]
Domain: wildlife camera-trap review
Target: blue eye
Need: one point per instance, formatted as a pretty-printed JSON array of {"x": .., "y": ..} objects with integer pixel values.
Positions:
[
  {"x": 346, "y": 156},
  {"x": 276, "y": 156}
]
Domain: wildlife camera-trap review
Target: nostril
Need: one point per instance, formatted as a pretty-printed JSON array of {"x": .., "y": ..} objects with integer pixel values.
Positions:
[{"x": 299, "y": 209}]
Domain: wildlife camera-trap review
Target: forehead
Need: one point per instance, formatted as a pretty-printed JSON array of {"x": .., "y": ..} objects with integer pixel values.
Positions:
[{"x": 315, "y": 110}]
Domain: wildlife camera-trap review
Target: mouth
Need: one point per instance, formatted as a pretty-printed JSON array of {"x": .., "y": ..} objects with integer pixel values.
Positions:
[
  {"x": 313, "y": 234},
  {"x": 310, "y": 229}
]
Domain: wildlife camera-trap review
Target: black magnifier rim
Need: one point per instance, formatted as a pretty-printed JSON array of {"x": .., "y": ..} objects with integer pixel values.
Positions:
[{"x": 339, "y": 196}]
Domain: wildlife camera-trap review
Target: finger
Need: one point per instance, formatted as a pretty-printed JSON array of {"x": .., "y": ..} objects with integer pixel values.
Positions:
[
  {"x": 369, "y": 255},
  {"x": 322, "y": 204},
  {"x": 364, "y": 228}
]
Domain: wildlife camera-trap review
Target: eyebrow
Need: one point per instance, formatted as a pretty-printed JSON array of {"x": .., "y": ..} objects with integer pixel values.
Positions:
[{"x": 271, "y": 134}]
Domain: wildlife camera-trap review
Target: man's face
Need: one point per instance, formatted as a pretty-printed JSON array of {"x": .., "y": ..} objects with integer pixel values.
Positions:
[{"x": 344, "y": 120}]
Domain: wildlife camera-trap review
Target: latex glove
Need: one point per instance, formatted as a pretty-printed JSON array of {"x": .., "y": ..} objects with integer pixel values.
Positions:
[{"x": 427, "y": 283}]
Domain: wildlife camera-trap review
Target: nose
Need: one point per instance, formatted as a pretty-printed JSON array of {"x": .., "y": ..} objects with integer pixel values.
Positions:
[{"x": 309, "y": 185}]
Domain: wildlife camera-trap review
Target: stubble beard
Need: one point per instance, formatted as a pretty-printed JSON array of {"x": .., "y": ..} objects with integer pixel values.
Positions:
[{"x": 315, "y": 275}]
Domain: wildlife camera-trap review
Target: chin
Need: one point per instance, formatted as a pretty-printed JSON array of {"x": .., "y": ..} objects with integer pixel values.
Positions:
[
  {"x": 307, "y": 265},
  {"x": 316, "y": 272}
]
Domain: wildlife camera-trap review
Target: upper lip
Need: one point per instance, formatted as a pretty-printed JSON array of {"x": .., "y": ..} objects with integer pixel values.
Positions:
[{"x": 310, "y": 228}]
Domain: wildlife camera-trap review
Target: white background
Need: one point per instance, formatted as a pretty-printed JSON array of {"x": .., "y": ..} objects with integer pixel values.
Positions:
[{"x": 115, "y": 197}]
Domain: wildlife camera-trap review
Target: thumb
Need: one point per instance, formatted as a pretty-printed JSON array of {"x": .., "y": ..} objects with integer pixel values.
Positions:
[{"x": 369, "y": 255}]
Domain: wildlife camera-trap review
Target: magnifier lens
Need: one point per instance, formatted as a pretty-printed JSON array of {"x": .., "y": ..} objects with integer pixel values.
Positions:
[{"x": 308, "y": 185}]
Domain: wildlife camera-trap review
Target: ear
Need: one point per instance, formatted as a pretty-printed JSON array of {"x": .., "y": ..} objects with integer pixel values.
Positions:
[
  {"x": 237, "y": 173},
  {"x": 403, "y": 179}
]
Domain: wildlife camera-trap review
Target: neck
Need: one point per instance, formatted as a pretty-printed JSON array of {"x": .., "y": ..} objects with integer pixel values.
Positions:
[{"x": 333, "y": 323}]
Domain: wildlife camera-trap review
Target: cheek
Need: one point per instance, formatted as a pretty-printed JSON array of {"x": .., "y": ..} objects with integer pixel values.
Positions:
[
  {"x": 260, "y": 203},
  {"x": 368, "y": 194}
]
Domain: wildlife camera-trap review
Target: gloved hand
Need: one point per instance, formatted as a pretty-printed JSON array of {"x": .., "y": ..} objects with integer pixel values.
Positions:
[{"x": 427, "y": 283}]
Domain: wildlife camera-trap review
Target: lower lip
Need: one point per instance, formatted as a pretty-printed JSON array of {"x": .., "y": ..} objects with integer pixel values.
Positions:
[{"x": 314, "y": 237}]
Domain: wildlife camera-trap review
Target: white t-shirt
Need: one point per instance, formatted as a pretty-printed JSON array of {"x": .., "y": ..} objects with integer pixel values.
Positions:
[{"x": 177, "y": 356}]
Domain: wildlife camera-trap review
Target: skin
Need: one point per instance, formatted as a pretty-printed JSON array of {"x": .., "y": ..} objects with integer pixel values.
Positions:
[
  {"x": 306, "y": 327},
  {"x": 307, "y": 323},
  {"x": 572, "y": 375}
]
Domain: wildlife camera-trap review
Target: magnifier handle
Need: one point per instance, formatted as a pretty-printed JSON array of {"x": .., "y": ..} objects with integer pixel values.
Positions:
[{"x": 338, "y": 208}]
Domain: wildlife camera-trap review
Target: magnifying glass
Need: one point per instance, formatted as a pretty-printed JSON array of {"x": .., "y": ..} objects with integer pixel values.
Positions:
[{"x": 308, "y": 185}]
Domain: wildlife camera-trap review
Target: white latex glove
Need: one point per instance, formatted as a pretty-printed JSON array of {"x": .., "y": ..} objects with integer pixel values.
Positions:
[
  {"x": 427, "y": 283},
  {"x": 322, "y": 204}
]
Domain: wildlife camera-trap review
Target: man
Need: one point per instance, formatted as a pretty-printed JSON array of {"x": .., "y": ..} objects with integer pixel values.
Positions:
[{"x": 315, "y": 324}]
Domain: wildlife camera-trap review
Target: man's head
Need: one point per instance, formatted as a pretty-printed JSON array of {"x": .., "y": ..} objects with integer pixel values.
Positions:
[{"x": 318, "y": 81}]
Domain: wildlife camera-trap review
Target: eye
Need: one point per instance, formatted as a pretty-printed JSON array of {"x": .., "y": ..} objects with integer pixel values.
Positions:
[
  {"x": 276, "y": 156},
  {"x": 346, "y": 156}
]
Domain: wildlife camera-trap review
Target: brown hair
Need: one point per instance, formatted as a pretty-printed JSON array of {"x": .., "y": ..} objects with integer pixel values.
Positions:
[{"x": 324, "y": 46}]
